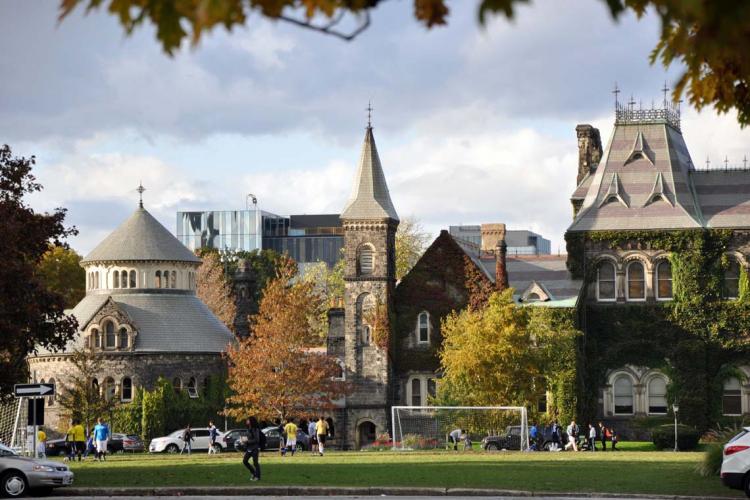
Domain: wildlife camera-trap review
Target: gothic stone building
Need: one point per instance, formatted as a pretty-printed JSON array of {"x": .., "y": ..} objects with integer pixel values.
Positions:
[
  {"x": 641, "y": 185},
  {"x": 142, "y": 317}
]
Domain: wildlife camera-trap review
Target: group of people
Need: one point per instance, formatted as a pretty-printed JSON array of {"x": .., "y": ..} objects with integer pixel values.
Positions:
[
  {"x": 576, "y": 440},
  {"x": 77, "y": 443}
]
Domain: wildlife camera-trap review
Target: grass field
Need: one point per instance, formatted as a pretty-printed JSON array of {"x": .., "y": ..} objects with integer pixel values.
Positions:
[{"x": 627, "y": 471}]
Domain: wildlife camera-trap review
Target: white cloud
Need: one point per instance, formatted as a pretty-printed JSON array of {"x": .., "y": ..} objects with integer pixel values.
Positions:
[{"x": 266, "y": 45}]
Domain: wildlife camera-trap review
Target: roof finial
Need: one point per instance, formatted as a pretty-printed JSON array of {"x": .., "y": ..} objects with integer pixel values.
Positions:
[
  {"x": 726, "y": 162},
  {"x": 616, "y": 92},
  {"x": 140, "y": 190},
  {"x": 744, "y": 162},
  {"x": 369, "y": 114},
  {"x": 665, "y": 89},
  {"x": 708, "y": 162}
]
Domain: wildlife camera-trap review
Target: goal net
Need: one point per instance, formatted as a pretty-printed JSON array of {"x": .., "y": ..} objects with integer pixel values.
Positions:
[
  {"x": 13, "y": 423},
  {"x": 491, "y": 428}
]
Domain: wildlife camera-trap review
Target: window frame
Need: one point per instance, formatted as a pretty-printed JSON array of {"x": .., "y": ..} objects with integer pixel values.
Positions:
[
  {"x": 107, "y": 325},
  {"x": 614, "y": 394},
  {"x": 599, "y": 298},
  {"x": 725, "y": 295},
  {"x": 724, "y": 395},
  {"x": 648, "y": 395},
  {"x": 122, "y": 389},
  {"x": 635, "y": 262},
  {"x": 658, "y": 280},
  {"x": 426, "y": 315}
]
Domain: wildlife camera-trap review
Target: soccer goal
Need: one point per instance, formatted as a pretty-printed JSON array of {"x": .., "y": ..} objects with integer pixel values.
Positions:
[
  {"x": 13, "y": 422},
  {"x": 460, "y": 427}
]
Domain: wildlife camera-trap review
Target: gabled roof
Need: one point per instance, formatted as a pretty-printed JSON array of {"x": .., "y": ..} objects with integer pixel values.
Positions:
[
  {"x": 141, "y": 237},
  {"x": 635, "y": 154},
  {"x": 370, "y": 197}
]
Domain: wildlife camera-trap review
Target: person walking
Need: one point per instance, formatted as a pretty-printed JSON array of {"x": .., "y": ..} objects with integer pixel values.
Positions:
[
  {"x": 187, "y": 436},
  {"x": 70, "y": 443},
  {"x": 592, "y": 437},
  {"x": 572, "y": 431},
  {"x": 291, "y": 435},
  {"x": 101, "y": 436},
  {"x": 534, "y": 437},
  {"x": 603, "y": 435},
  {"x": 213, "y": 434},
  {"x": 556, "y": 445},
  {"x": 252, "y": 449},
  {"x": 321, "y": 429},
  {"x": 312, "y": 432},
  {"x": 41, "y": 443}
]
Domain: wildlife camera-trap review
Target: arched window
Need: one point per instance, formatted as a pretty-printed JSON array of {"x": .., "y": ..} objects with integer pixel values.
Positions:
[
  {"x": 664, "y": 280},
  {"x": 366, "y": 335},
  {"x": 623, "y": 395},
  {"x": 109, "y": 388},
  {"x": 657, "y": 396},
  {"x": 177, "y": 384},
  {"x": 173, "y": 281},
  {"x": 96, "y": 341},
  {"x": 124, "y": 278},
  {"x": 157, "y": 279},
  {"x": 51, "y": 399},
  {"x": 123, "y": 338},
  {"x": 165, "y": 279},
  {"x": 636, "y": 281},
  {"x": 116, "y": 279},
  {"x": 533, "y": 297},
  {"x": 96, "y": 280},
  {"x": 731, "y": 400},
  {"x": 416, "y": 392},
  {"x": 423, "y": 327},
  {"x": 365, "y": 259},
  {"x": 605, "y": 281},
  {"x": 132, "y": 279},
  {"x": 341, "y": 371},
  {"x": 732, "y": 280},
  {"x": 109, "y": 337},
  {"x": 127, "y": 389},
  {"x": 192, "y": 388},
  {"x": 95, "y": 384}
]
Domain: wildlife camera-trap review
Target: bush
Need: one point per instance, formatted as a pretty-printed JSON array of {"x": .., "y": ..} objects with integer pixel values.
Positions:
[
  {"x": 714, "y": 455},
  {"x": 687, "y": 437}
]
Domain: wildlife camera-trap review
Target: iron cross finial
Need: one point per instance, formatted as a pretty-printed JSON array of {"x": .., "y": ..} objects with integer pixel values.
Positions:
[
  {"x": 665, "y": 89},
  {"x": 369, "y": 114},
  {"x": 616, "y": 92},
  {"x": 726, "y": 162},
  {"x": 140, "y": 190}
]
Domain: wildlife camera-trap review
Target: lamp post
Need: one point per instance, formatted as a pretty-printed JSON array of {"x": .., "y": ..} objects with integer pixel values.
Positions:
[
  {"x": 251, "y": 198},
  {"x": 675, "y": 409}
]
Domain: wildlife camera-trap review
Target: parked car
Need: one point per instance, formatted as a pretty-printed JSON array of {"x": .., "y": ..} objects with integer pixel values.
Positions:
[
  {"x": 273, "y": 438},
  {"x": 21, "y": 475},
  {"x": 508, "y": 440},
  {"x": 118, "y": 443},
  {"x": 232, "y": 436},
  {"x": 130, "y": 442},
  {"x": 735, "y": 467},
  {"x": 173, "y": 443}
]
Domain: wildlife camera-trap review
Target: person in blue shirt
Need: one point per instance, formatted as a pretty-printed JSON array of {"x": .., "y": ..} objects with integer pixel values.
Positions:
[
  {"x": 101, "y": 435},
  {"x": 533, "y": 437}
]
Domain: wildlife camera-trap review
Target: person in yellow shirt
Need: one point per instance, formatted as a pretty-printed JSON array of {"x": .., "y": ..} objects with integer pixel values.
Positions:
[
  {"x": 41, "y": 443},
  {"x": 321, "y": 429},
  {"x": 291, "y": 436},
  {"x": 70, "y": 442},
  {"x": 79, "y": 439}
]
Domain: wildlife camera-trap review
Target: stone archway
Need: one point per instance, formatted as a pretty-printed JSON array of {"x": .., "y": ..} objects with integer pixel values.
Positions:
[{"x": 366, "y": 433}]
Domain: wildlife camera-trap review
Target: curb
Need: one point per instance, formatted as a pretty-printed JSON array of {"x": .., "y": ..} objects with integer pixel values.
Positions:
[{"x": 229, "y": 491}]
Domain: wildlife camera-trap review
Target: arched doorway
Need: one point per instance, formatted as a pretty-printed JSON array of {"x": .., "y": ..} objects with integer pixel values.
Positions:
[{"x": 366, "y": 434}]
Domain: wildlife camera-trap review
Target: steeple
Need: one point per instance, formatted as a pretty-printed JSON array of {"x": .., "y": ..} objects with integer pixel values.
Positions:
[{"x": 370, "y": 197}]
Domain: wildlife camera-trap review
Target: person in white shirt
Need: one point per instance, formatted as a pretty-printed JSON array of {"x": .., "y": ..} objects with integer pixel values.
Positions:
[
  {"x": 592, "y": 437},
  {"x": 455, "y": 436},
  {"x": 572, "y": 431}
]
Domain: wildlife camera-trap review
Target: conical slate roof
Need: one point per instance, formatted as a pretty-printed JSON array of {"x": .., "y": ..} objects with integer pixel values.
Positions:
[
  {"x": 141, "y": 237},
  {"x": 370, "y": 197}
]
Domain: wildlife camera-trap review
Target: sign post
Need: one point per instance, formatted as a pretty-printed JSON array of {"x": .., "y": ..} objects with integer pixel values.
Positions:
[{"x": 33, "y": 392}]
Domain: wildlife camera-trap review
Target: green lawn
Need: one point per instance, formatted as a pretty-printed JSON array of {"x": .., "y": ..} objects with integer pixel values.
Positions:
[{"x": 622, "y": 472}]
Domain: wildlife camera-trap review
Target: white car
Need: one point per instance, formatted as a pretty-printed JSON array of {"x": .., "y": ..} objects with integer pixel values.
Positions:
[
  {"x": 173, "y": 443},
  {"x": 735, "y": 468}
]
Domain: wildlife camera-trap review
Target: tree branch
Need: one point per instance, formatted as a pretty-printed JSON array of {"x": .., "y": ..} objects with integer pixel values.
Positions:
[{"x": 328, "y": 28}]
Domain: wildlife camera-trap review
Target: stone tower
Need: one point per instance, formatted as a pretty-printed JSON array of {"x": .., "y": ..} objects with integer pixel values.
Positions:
[{"x": 369, "y": 221}]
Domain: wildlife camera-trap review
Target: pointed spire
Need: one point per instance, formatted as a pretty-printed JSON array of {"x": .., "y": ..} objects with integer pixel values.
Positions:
[{"x": 370, "y": 197}]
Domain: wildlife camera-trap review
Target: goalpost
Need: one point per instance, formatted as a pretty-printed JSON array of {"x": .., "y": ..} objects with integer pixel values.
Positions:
[
  {"x": 13, "y": 423},
  {"x": 430, "y": 427}
]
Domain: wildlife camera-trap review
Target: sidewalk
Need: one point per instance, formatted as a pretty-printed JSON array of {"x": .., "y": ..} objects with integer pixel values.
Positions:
[{"x": 279, "y": 491}]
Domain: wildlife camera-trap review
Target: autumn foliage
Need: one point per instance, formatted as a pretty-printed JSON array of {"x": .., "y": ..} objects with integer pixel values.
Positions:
[
  {"x": 277, "y": 372},
  {"x": 215, "y": 289}
]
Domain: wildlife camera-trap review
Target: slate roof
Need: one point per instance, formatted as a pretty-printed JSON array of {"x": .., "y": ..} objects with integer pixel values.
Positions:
[
  {"x": 642, "y": 182},
  {"x": 166, "y": 322},
  {"x": 549, "y": 271},
  {"x": 370, "y": 197},
  {"x": 141, "y": 237},
  {"x": 724, "y": 197}
]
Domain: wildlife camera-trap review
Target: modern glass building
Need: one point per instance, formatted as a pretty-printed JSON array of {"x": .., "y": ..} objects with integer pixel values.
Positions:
[
  {"x": 223, "y": 229},
  {"x": 520, "y": 242}
]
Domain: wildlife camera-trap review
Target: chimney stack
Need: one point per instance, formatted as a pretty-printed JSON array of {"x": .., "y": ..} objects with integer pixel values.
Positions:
[
  {"x": 589, "y": 150},
  {"x": 493, "y": 240}
]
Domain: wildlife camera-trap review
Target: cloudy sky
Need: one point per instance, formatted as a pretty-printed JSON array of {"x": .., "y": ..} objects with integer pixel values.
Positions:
[{"x": 473, "y": 124}]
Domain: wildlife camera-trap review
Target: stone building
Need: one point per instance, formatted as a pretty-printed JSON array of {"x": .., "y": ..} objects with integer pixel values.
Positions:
[{"x": 142, "y": 317}]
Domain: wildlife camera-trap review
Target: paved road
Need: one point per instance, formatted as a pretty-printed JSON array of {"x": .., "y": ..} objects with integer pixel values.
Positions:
[{"x": 336, "y": 498}]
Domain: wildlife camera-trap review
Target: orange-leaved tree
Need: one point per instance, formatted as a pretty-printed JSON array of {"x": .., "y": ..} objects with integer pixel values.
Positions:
[
  {"x": 277, "y": 372},
  {"x": 215, "y": 289}
]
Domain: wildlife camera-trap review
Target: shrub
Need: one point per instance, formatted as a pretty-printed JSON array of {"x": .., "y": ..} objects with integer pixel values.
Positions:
[
  {"x": 687, "y": 437},
  {"x": 714, "y": 455}
]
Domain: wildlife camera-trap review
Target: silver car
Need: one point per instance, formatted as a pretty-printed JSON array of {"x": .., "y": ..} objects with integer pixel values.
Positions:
[{"x": 19, "y": 475}]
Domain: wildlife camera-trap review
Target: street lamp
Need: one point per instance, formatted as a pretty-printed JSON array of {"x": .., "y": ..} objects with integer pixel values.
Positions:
[
  {"x": 675, "y": 409},
  {"x": 251, "y": 198}
]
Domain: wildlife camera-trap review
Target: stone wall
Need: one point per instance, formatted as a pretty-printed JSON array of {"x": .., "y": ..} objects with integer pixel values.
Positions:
[{"x": 144, "y": 369}]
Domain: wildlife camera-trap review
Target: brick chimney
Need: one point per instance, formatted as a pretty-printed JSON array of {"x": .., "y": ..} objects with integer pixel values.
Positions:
[
  {"x": 501, "y": 272},
  {"x": 589, "y": 150}
]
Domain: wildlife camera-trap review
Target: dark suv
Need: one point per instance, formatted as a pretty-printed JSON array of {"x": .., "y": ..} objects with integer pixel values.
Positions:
[{"x": 508, "y": 440}]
